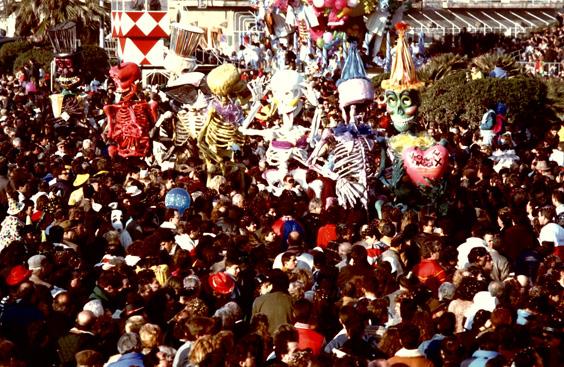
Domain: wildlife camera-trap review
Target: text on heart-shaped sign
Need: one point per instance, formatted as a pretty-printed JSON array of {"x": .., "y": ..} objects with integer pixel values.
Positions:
[{"x": 422, "y": 165}]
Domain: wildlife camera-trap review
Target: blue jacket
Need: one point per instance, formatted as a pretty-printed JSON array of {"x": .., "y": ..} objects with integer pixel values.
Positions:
[{"x": 133, "y": 359}]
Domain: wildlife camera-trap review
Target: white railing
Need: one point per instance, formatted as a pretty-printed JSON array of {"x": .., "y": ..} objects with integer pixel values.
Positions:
[
  {"x": 498, "y": 4},
  {"x": 548, "y": 68}
]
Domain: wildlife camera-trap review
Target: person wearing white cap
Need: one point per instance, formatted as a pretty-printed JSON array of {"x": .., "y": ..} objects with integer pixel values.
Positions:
[{"x": 39, "y": 266}]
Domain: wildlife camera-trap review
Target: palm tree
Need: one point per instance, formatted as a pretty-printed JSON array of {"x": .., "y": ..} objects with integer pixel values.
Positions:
[{"x": 35, "y": 17}]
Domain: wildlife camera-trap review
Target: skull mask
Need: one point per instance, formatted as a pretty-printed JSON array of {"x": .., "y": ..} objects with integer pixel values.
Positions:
[
  {"x": 402, "y": 107},
  {"x": 66, "y": 72},
  {"x": 286, "y": 86}
]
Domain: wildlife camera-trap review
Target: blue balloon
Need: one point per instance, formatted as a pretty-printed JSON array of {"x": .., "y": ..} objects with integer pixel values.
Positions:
[{"x": 178, "y": 199}]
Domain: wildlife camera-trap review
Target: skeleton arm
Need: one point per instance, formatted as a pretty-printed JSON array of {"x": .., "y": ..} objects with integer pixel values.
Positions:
[{"x": 258, "y": 87}]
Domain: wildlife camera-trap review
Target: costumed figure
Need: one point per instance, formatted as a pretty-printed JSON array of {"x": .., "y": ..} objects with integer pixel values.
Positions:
[
  {"x": 288, "y": 140},
  {"x": 66, "y": 104},
  {"x": 415, "y": 154},
  {"x": 188, "y": 92},
  {"x": 130, "y": 119},
  {"x": 220, "y": 135},
  {"x": 350, "y": 149}
]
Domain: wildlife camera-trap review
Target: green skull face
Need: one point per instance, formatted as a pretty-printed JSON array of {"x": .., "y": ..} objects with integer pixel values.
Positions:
[{"x": 402, "y": 107}]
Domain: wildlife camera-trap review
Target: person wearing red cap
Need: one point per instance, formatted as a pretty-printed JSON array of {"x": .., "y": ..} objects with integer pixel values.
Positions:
[
  {"x": 17, "y": 312},
  {"x": 222, "y": 287}
]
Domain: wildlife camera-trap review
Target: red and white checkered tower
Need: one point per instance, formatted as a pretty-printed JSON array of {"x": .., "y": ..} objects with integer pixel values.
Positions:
[{"x": 140, "y": 27}]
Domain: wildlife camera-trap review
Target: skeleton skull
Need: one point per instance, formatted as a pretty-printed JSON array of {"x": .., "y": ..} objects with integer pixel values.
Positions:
[
  {"x": 402, "y": 107},
  {"x": 286, "y": 86}
]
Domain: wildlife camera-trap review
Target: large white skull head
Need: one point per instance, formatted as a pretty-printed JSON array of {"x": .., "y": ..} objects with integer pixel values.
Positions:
[{"x": 286, "y": 87}]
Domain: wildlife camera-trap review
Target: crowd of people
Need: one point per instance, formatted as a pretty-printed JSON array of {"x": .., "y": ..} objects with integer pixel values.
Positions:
[
  {"x": 543, "y": 51},
  {"x": 97, "y": 271}
]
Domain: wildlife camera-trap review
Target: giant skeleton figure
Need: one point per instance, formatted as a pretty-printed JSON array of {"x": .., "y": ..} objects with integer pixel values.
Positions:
[
  {"x": 415, "y": 154},
  {"x": 346, "y": 154},
  {"x": 220, "y": 136},
  {"x": 130, "y": 120},
  {"x": 289, "y": 140}
]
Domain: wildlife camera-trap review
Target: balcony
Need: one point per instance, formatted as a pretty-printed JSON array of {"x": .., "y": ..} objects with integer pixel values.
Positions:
[
  {"x": 493, "y": 4},
  {"x": 203, "y": 4},
  {"x": 511, "y": 22}
]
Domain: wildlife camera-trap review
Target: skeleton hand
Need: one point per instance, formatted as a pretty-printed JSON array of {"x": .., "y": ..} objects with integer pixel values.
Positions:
[
  {"x": 258, "y": 87},
  {"x": 311, "y": 94}
]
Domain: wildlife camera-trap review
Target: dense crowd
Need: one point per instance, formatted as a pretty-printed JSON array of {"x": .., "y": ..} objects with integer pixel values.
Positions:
[
  {"x": 543, "y": 51},
  {"x": 95, "y": 270}
]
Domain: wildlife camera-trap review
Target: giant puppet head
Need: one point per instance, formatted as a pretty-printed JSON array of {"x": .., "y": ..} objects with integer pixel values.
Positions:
[
  {"x": 286, "y": 87},
  {"x": 64, "y": 42},
  {"x": 66, "y": 71},
  {"x": 401, "y": 91},
  {"x": 354, "y": 86},
  {"x": 125, "y": 77}
]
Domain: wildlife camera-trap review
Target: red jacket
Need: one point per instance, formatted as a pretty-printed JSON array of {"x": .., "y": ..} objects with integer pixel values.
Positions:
[
  {"x": 309, "y": 338},
  {"x": 430, "y": 273}
]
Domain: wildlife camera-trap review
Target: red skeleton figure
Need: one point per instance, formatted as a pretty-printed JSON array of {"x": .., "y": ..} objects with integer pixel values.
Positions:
[{"x": 130, "y": 120}]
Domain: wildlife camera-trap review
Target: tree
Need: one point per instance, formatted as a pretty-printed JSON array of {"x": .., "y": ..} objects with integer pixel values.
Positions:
[
  {"x": 9, "y": 52},
  {"x": 36, "y": 17}
]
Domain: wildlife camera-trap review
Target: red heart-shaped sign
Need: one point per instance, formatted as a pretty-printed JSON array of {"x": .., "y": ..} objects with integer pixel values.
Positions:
[{"x": 425, "y": 164}]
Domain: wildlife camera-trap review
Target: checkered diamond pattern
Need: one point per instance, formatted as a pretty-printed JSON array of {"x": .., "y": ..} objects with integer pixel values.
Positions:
[
  {"x": 140, "y": 24},
  {"x": 140, "y": 35},
  {"x": 141, "y": 51}
]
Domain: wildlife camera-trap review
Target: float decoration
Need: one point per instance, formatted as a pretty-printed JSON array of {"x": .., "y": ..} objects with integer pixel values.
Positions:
[
  {"x": 289, "y": 140},
  {"x": 350, "y": 149},
  {"x": 422, "y": 159},
  {"x": 64, "y": 42},
  {"x": 130, "y": 120},
  {"x": 220, "y": 135}
]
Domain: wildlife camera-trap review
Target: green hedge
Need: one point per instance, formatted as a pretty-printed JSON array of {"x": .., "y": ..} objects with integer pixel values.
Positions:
[
  {"x": 40, "y": 56},
  {"x": 9, "y": 52},
  {"x": 455, "y": 99}
]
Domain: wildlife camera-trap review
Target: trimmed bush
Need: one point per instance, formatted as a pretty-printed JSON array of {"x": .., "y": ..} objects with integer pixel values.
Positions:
[
  {"x": 9, "y": 52},
  {"x": 40, "y": 56},
  {"x": 455, "y": 99}
]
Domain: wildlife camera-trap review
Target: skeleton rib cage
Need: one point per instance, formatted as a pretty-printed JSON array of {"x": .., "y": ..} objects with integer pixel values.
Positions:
[
  {"x": 218, "y": 137},
  {"x": 189, "y": 124},
  {"x": 353, "y": 167}
]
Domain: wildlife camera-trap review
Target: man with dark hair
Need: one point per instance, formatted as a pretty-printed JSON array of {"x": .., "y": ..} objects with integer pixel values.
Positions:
[
  {"x": 289, "y": 262},
  {"x": 277, "y": 304},
  {"x": 429, "y": 271},
  {"x": 107, "y": 288},
  {"x": 487, "y": 350},
  {"x": 550, "y": 232},
  {"x": 476, "y": 240},
  {"x": 500, "y": 264},
  {"x": 409, "y": 354},
  {"x": 446, "y": 326},
  {"x": 308, "y": 337},
  {"x": 392, "y": 256},
  {"x": 285, "y": 345},
  {"x": 480, "y": 256}
]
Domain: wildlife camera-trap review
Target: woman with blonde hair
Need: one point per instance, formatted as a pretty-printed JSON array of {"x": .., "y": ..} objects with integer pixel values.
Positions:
[
  {"x": 202, "y": 347},
  {"x": 151, "y": 337}
]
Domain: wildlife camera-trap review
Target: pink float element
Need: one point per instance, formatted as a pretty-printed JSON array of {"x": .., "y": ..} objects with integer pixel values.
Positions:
[
  {"x": 355, "y": 91},
  {"x": 421, "y": 165}
]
